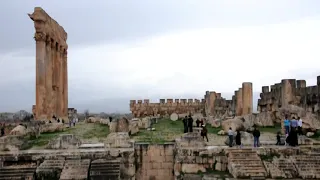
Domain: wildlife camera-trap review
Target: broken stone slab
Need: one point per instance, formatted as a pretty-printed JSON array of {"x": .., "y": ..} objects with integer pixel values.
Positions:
[
  {"x": 118, "y": 140},
  {"x": 64, "y": 141}
]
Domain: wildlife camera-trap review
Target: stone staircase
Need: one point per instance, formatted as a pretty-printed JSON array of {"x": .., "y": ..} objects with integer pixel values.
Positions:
[
  {"x": 17, "y": 172},
  {"x": 102, "y": 169},
  {"x": 308, "y": 166},
  {"x": 245, "y": 163},
  {"x": 281, "y": 168},
  {"x": 50, "y": 169},
  {"x": 75, "y": 169}
]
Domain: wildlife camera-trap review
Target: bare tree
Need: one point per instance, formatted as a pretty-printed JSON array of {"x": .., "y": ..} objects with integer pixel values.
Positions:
[{"x": 86, "y": 113}]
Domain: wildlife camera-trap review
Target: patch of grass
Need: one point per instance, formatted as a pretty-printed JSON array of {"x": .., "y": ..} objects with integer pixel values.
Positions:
[
  {"x": 165, "y": 131},
  {"x": 212, "y": 130},
  {"x": 271, "y": 129},
  {"x": 82, "y": 130}
]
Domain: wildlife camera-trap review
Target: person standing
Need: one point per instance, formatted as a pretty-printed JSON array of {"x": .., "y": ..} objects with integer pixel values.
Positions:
[
  {"x": 238, "y": 139},
  {"x": 294, "y": 123},
  {"x": 286, "y": 124},
  {"x": 2, "y": 129},
  {"x": 185, "y": 124},
  {"x": 230, "y": 135},
  {"x": 256, "y": 136},
  {"x": 299, "y": 126},
  {"x": 190, "y": 123},
  {"x": 278, "y": 139},
  {"x": 197, "y": 122},
  {"x": 204, "y": 133}
]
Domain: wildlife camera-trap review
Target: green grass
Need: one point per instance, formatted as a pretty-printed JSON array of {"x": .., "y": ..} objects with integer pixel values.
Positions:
[
  {"x": 82, "y": 130},
  {"x": 271, "y": 129},
  {"x": 166, "y": 131}
]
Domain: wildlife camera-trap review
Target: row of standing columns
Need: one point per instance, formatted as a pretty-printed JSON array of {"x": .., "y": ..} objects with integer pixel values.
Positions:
[{"x": 51, "y": 79}]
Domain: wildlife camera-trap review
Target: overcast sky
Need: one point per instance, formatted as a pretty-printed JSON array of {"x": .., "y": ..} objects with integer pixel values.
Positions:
[{"x": 121, "y": 49}]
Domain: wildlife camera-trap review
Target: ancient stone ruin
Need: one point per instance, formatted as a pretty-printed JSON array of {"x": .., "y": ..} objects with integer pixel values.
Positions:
[
  {"x": 239, "y": 105},
  {"x": 290, "y": 92},
  {"x": 212, "y": 105},
  {"x": 51, "y": 67},
  {"x": 179, "y": 106}
]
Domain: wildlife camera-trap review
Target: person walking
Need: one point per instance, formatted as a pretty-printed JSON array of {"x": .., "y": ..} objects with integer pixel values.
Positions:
[
  {"x": 230, "y": 135},
  {"x": 299, "y": 126},
  {"x": 286, "y": 124},
  {"x": 204, "y": 133},
  {"x": 256, "y": 136},
  {"x": 238, "y": 139}
]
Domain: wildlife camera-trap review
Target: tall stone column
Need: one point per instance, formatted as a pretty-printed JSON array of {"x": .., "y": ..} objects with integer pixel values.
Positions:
[
  {"x": 212, "y": 97},
  {"x": 40, "y": 75},
  {"x": 318, "y": 86},
  {"x": 54, "y": 77},
  {"x": 48, "y": 81},
  {"x": 59, "y": 85},
  {"x": 246, "y": 98},
  {"x": 287, "y": 91},
  {"x": 65, "y": 83},
  {"x": 239, "y": 102}
]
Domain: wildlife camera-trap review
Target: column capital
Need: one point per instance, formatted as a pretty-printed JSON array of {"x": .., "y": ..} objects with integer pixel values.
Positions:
[{"x": 40, "y": 36}]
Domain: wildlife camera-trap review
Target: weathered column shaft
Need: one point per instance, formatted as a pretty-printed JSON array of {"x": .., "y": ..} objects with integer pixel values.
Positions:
[
  {"x": 212, "y": 97},
  {"x": 61, "y": 83},
  {"x": 318, "y": 86},
  {"x": 58, "y": 80},
  {"x": 247, "y": 98},
  {"x": 65, "y": 87},
  {"x": 287, "y": 91},
  {"x": 48, "y": 79},
  {"x": 239, "y": 102},
  {"x": 40, "y": 75},
  {"x": 54, "y": 77}
]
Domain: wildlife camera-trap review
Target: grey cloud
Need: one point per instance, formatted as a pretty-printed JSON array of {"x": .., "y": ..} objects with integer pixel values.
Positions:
[{"x": 92, "y": 22}]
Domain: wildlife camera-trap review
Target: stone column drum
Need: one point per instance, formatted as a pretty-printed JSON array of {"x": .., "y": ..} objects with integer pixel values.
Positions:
[
  {"x": 246, "y": 98},
  {"x": 49, "y": 69},
  {"x": 212, "y": 97},
  {"x": 40, "y": 38},
  {"x": 239, "y": 102},
  {"x": 287, "y": 91},
  {"x": 318, "y": 86}
]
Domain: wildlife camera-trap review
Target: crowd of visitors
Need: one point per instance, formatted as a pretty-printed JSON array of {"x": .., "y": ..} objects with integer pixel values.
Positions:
[{"x": 293, "y": 128}]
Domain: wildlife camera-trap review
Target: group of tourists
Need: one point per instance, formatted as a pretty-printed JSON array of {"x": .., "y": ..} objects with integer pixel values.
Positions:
[
  {"x": 188, "y": 126},
  {"x": 293, "y": 128},
  {"x": 255, "y": 133}
]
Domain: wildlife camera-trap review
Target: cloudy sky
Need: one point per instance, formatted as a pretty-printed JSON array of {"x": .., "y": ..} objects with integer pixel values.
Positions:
[{"x": 121, "y": 50}]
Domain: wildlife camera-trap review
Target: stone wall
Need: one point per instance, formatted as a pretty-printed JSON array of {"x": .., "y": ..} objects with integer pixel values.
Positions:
[
  {"x": 144, "y": 108},
  {"x": 290, "y": 92},
  {"x": 51, "y": 67},
  {"x": 154, "y": 161},
  {"x": 241, "y": 103}
]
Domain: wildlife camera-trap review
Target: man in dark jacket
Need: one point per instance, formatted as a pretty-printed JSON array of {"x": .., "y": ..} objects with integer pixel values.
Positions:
[
  {"x": 190, "y": 123},
  {"x": 185, "y": 124},
  {"x": 256, "y": 136}
]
